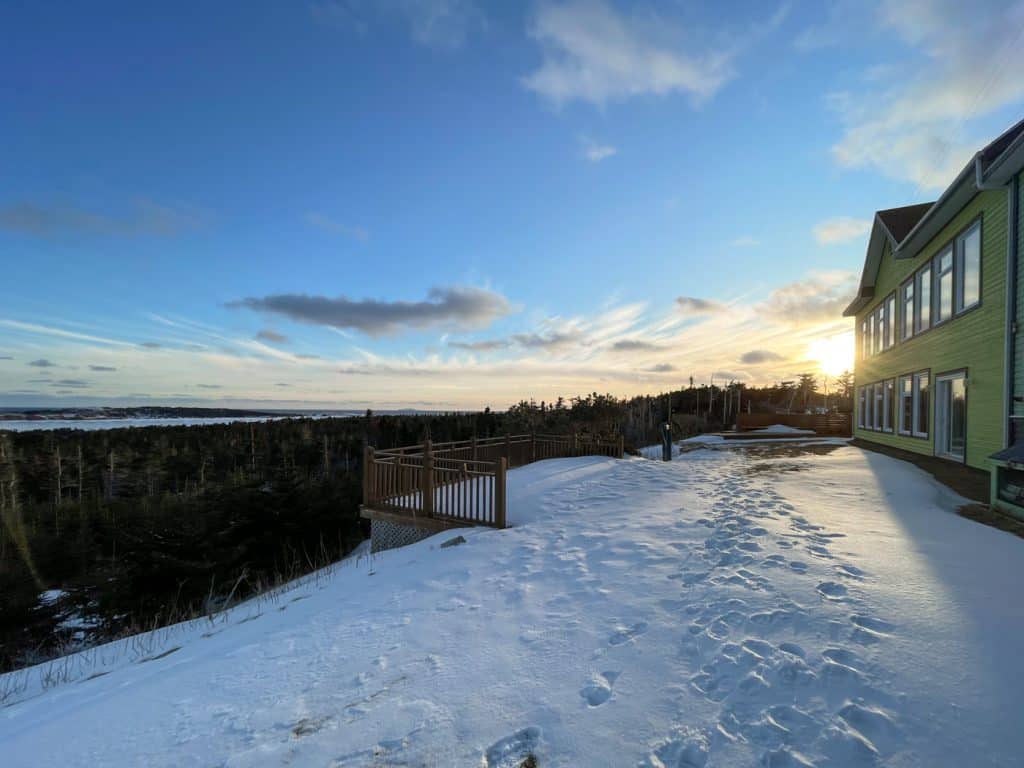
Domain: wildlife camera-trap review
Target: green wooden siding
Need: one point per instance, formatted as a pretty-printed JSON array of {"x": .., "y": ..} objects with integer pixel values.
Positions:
[
  {"x": 1018, "y": 352},
  {"x": 975, "y": 341}
]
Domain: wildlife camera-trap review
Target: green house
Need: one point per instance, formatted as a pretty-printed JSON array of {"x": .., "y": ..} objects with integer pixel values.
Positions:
[{"x": 940, "y": 362}]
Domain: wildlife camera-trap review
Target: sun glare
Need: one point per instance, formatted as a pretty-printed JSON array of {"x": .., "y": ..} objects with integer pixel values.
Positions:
[{"x": 833, "y": 353}]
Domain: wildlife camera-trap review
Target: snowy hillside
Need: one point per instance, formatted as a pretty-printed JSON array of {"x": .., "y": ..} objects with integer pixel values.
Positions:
[{"x": 818, "y": 606}]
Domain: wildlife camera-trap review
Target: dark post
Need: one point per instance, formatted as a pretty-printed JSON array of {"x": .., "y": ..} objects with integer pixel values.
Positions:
[
  {"x": 499, "y": 493},
  {"x": 622, "y": 447},
  {"x": 533, "y": 447},
  {"x": 367, "y": 474},
  {"x": 427, "y": 481}
]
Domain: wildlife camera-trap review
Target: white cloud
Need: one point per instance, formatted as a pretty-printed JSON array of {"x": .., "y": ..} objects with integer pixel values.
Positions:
[
  {"x": 596, "y": 152},
  {"x": 592, "y": 53},
  {"x": 841, "y": 229},
  {"x": 433, "y": 23},
  {"x": 745, "y": 241},
  {"x": 329, "y": 224},
  {"x": 968, "y": 64}
]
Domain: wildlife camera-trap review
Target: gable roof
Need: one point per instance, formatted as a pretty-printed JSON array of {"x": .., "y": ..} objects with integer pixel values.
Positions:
[
  {"x": 890, "y": 226},
  {"x": 910, "y": 228},
  {"x": 899, "y": 221}
]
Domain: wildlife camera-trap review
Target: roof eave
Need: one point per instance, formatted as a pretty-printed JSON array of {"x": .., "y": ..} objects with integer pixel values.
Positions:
[
  {"x": 1007, "y": 165},
  {"x": 958, "y": 193}
]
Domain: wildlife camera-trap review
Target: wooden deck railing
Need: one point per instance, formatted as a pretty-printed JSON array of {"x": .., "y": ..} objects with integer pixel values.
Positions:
[
  {"x": 822, "y": 423},
  {"x": 463, "y": 482}
]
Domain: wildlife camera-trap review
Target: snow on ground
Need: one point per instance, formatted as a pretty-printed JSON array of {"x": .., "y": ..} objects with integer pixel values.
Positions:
[
  {"x": 773, "y": 606},
  {"x": 782, "y": 429}
]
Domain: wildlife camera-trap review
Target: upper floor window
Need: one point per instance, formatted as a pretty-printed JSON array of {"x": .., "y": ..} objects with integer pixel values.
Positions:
[
  {"x": 907, "y": 299},
  {"x": 923, "y": 300},
  {"x": 968, "y": 258},
  {"x": 944, "y": 285},
  {"x": 890, "y": 317}
]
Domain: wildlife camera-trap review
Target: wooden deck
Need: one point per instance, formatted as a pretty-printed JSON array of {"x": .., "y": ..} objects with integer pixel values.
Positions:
[{"x": 461, "y": 482}]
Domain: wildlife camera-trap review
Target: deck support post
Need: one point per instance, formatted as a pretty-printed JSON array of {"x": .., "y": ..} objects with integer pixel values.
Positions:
[
  {"x": 427, "y": 479},
  {"x": 499, "y": 493},
  {"x": 367, "y": 474}
]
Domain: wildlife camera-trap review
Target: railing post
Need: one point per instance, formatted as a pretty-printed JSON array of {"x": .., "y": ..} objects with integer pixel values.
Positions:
[
  {"x": 533, "y": 447},
  {"x": 622, "y": 447},
  {"x": 575, "y": 443},
  {"x": 508, "y": 448},
  {"x": 367, "y": 474},
  {"x": 499, "y": 493},
  {"x": 474, "y": 447},
  {"x": 427, "y": 480}
]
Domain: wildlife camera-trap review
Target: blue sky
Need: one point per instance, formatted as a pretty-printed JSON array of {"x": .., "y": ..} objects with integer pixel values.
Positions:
[{"x": 447, "y": 203}]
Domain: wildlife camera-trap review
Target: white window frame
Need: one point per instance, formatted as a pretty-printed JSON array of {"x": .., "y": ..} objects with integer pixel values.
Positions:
[
  {"x": 940, "y": 273},
  {"x": 918, "y": 377},
  {"x": 901, "y": 396},
  {"x": 959, "y": 304},
  {"x": 907, "y": 294},
  {"x": 889, "y": 388},
  {"x": 923, "y": 299},
  {"x": 877, "y": 406},
  {"x": 890, "y": 318}
]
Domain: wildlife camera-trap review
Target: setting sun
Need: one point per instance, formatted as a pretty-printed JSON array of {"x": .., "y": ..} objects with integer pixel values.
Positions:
[{"x": 834, "y": 354}]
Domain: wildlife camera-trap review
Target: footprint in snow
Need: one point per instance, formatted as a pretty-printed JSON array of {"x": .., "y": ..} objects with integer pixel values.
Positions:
[
  {"x": 599, "y": 689},
  {"x": 623, "y": 634},
  {"x": 514, "y": 751},
  {"x": 850, "y": 571},
  {"x": 832, "y": 590}
]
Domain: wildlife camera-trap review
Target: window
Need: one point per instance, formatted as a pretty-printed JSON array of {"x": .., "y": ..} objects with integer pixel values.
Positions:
[
  {"x": 923, "y": 300},
  {"x": 907, "y": 297},
  {"x": 873, "y": 333},
  {"x": 944, "y": 286},
  {"x": 861, "y": 411},
  {"x": 890, "y": 318},
  {"x": 921, "y": 405},
  {"x": 968, "y": 268},
  {"x": 878, "y": 409},
  {"x": 906, "y": 405},
  {"x": 890, "y": 405}
]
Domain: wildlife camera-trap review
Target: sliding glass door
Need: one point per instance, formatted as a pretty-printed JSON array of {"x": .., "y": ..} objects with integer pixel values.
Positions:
[{"x": 951, "y": 415}]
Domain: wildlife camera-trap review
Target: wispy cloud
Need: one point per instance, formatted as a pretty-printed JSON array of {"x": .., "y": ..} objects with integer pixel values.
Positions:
[
  {"x": 595, "y": 152},
  {"x": 151, "y": 345},
  {"x": 818, "y": 298},
  {"x": 745, "y": 241},
  {"x": 443, "y": 24},
  {"x": 552, "y": 340},
  {"x": 268, "y": 334},
  {"x": 335, "y": 227},
  {"x": 145, "y": 218},
  {"x": 71, "y": 384},
  {"x": 63, "y": 333},
  {"x": 760, "y": 356},
  {"x": 917, "y": 124},
  {"x": 42, "y": 362},
  {"x": 841, "y": 229},
  {"x": 634, "y": 345},
  {"x": 102, "y": 368},
  {"x": 487, "y": 345},
  {"x": 457, "y": 306},
  {"x": 694, "y": 306},
  {"x": 593, "y": 53}
]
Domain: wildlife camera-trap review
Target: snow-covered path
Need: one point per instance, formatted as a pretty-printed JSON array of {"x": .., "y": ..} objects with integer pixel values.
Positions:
[{"x": 726, "y": 609}]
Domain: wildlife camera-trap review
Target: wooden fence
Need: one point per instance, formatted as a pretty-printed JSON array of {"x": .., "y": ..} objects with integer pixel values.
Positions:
[
  {"x": 462, "y": 482},
  {"x": 822, "y": 423}
]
